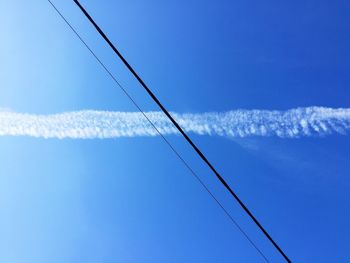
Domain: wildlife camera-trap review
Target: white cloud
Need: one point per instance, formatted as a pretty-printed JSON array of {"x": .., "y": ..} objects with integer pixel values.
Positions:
[{"x": 293, "y": 123}]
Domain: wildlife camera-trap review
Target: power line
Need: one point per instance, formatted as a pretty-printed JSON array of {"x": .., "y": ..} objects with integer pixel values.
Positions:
[
  {"x": 197, "y": 150},
  {"x": 162, "y": 136},
  {"x": 165, "y": 140}
]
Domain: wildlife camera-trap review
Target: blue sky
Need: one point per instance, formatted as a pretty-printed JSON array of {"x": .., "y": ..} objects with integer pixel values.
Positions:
[{"x": 131, "y": 199}]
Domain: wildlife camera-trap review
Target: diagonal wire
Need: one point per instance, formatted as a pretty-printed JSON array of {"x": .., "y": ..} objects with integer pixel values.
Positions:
[
  {"x": 162, "y": 136},
  {"x": 183, "y": 133}
]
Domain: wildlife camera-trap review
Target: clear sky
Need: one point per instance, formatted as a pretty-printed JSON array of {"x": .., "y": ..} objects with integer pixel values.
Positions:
[{"x": 131, "y": 199}]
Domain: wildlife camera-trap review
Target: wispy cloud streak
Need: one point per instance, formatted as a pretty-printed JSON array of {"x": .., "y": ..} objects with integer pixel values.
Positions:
[{"x": 88, "y": 124}]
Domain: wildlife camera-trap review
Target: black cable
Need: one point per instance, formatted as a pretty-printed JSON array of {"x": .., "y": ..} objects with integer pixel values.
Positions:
[
  {"x": 153, "y": 125},
  {"x": 197, "y": 150}
]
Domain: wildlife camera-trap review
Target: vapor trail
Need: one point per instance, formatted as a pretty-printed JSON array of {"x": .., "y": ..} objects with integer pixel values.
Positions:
[{"x": 89, "y": 124}]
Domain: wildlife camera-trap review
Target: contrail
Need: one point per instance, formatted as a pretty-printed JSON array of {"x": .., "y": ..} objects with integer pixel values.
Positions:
[{"x": 89, "y": 124}]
